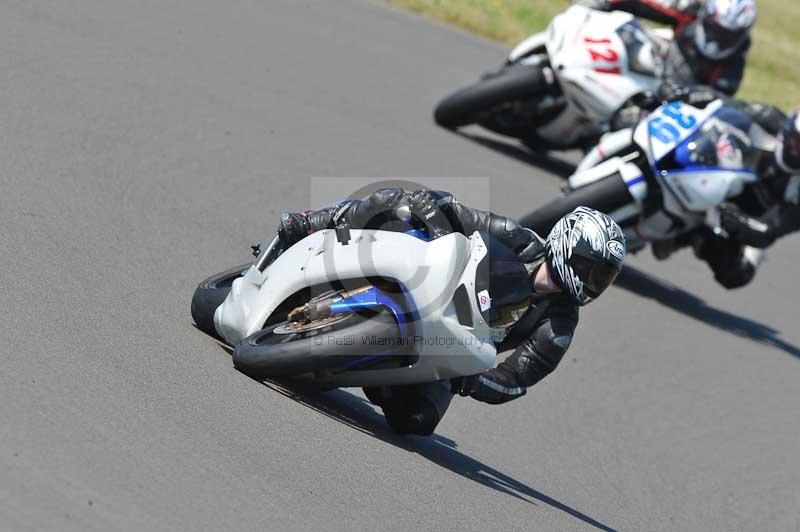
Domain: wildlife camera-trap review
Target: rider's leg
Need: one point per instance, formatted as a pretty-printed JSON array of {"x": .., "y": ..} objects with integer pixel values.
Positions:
[
  {"x": 732, "y": 264},
  {"x": 413, "y": 409}
]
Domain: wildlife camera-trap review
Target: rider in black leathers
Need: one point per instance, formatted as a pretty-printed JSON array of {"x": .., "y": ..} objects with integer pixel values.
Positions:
[
  {"x": 768, "y": 209},
  {"x": 765, "y": 211},
  {"x": 539, "y": 338}
]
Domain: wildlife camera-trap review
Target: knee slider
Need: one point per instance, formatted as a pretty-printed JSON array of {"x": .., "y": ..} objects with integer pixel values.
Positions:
[{"x": 739, "y": 275}]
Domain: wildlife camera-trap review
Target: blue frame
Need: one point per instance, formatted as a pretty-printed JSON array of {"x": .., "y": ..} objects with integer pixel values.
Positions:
[{"x": 375, "y": 298}]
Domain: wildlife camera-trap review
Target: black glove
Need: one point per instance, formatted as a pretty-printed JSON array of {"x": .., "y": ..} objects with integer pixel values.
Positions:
[
  {"x": 696, "y": 95},
  {"x": 464, "y": 386},
  {"x": 292, "y": 228},
  {"x": 423, "y": 207},
  {"x": 669, "y": 91},
  {"x": 633, "y": 110},
  {"x": 295, "y": 226}
]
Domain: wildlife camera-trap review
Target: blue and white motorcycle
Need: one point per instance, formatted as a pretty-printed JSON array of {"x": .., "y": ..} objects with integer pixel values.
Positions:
[
  {"x": 346, "y": 307},
  {"x": 667, "y": 176}
]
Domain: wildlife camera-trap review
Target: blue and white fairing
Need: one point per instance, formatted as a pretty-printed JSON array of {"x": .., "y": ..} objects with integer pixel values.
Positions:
[{"x": 699, "y": 156}]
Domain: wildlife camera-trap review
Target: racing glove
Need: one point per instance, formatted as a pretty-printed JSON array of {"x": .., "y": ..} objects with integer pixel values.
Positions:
[
  {"x": 463, "y": 386},
  {"x": 422, "y": 204},
  {"x": 695, "y": 95},
  {"x": 295, "y": 226}
]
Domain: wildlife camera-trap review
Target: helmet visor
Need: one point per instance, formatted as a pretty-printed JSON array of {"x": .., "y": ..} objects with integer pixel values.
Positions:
[
  {"x": 596, "y": 275},
  {"x": 716, "y": 41}
]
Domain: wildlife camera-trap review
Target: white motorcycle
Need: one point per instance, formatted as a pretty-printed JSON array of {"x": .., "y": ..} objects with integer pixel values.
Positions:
[
  {"x": 559, "y": 88},
  {"x": 666, "y": 177},
  {"x": 366, "y": 307}
]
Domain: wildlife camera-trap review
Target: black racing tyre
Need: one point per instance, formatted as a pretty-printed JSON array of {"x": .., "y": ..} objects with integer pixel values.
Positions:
[
  {"x": 210, "y": 294},
  {"x": 471, "y": 104},
  {"x": 267, "y": 354},
  {"x": 605, "y": 195}
]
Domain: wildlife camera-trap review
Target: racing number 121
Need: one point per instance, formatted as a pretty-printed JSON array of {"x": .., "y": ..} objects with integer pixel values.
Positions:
[{"x": 602, "y": 51}]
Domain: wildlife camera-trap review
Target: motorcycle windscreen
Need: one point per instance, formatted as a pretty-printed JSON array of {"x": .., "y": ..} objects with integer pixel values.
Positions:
[
  {"x": 643, "y": 57},
  {"x": 720, "y": 143},
  {"x": 503, "y": 287}
]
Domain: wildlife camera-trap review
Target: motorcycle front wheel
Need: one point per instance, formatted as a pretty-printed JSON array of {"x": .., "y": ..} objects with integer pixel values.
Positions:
[
  {"x": 281, "y": 351},
  {"x": 210, "y": 294}
]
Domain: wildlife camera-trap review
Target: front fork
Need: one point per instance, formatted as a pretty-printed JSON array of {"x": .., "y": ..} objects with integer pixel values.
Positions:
[{"x": 368, "y": 297}]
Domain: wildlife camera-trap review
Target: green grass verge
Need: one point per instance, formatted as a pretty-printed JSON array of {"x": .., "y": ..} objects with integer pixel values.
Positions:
[{"x": 773, "y": 71}]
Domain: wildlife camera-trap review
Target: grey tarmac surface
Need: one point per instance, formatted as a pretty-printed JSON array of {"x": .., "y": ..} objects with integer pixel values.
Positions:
[{"x": 146, "y": 145}]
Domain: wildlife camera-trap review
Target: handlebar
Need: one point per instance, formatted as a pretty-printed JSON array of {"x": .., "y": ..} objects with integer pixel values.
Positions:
[{"x": 268, "y": 255}]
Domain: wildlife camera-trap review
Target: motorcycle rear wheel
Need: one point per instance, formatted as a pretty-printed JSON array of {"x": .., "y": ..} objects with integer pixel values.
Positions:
[
  {"x": 475, "y": 104},
  {"x": 605, "y": 195}
]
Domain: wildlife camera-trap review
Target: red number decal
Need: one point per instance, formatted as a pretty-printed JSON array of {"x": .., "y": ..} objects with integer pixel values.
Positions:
[
  {"x": 610, "y": 70},
  {"x": 589, "y": 40},
  {"x": 603, "y": 54},
  {"x": 610, "y": 55}
]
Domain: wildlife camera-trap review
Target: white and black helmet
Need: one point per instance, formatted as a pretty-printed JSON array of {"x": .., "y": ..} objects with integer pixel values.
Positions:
[
  {"x": 723, "y": 26},
  {"x": 585, "y": 252}
]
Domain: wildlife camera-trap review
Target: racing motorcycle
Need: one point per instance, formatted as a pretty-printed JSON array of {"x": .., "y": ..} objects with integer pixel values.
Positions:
[
  {"x": 559, "y": 89},
  {"x": 366, "y": 308},
  {"x": 667, "y": 176}
]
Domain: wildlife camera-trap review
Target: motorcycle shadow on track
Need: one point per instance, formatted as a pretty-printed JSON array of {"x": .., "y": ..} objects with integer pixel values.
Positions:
[
  {"x": 359, "y": 414},
  {"x": 671, "y": 296},
  {"x": 541, "y": 160}
]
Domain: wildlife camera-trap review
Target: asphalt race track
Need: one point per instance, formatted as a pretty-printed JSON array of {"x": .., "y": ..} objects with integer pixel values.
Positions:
[{"x": 146, "y": 145}]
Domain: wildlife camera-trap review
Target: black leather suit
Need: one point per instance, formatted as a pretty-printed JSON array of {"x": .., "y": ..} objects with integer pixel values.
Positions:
[
  {"x": 763, "y": 212},
  {"x": 539, "y": 339}
]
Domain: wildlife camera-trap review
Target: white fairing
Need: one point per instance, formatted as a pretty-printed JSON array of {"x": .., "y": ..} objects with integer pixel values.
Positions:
[
  {"x": 592, "y": 61},
  {"x": 700, "y": 191},
  {"x": 609, "y": 145},
  {"x": 528, "y": 46},
  {"x": 694, "y": 191},
  {"x": 431, "y": 271},
  {"x": 593, "y": 68}
]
